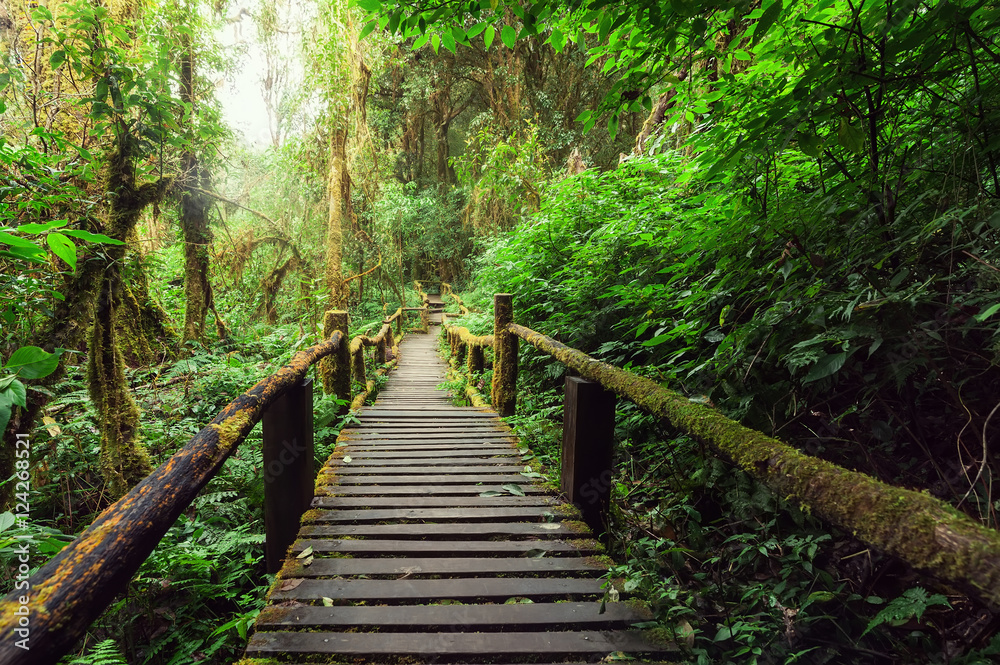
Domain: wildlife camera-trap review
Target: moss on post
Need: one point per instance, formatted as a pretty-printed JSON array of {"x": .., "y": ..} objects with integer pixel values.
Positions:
[
  {"x": 504, "y": 390},
  {"x": 476, "y": 358},
  {"x": 335, "y": 369}
]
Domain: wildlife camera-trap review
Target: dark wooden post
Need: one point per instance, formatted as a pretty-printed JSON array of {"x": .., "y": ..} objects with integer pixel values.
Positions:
[
  {"x": 476, "y": 359},
  {"x": 588, "y": 436},
  {"x": 358, "y": 365},
  {"x": 504, "y": 389},
  {"x": 288, "y": 469},
  {"x": 380, "y": 351}
]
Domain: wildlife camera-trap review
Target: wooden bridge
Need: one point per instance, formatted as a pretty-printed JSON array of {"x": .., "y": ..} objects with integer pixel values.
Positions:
[{"x": 426, "y": 541}]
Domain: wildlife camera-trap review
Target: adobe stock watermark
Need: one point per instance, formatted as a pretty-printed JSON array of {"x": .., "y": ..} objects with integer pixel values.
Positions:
[
  {"x": 22, "y": 507},
  {"x": 289, "y": 453}
]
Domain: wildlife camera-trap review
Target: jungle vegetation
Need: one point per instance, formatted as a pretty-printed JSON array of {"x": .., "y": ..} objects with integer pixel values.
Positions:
[{"x": 785, "y": 210}]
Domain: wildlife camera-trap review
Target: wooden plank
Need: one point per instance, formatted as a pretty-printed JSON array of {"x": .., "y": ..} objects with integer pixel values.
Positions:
[
  {"x": 472, "y": 513},
  {"x": 437, "y": 447},
  {"x": 455, "y": 478},
  {"x": 486, "y": 588},
  {"x": 453, "y": 644},
  {"x": 448, "y": 452},
  {"x": 482, "y": 617},
  {"x": 429, "y": 501},
  {"x": 362, "y": 461},
  {"x": 439, "y": 547},
  {"x": 361, "y": 435},
  {"x": 421, "y": 490},
  {"x": 453, "y": 567},
  {"x": 359, "y": 469},
  {"x": 538, "y": 530}
]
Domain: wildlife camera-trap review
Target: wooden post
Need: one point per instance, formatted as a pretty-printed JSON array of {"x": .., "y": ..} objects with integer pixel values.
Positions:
[
  {"x": 390, "y": 343},
  {"x": 476, "y": 358},
  {"x": 399, "y": 321},
  {"x": 588, "y": 437},
  {"x": 505, "y": 343},
  {"x": 288, "y": 469},
  {"x": 335, "y": 369},
  {"x": 380, "y": 350},
  {"x": 358, "y": 365}
]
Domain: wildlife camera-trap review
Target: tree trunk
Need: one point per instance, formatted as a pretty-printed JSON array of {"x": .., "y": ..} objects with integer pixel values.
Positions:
[
  {"x": 335, "y": 220},
  {"x": 194, "y": 221}
]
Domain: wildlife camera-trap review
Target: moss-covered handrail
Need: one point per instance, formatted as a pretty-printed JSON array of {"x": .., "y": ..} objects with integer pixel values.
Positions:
[
  {"x": 384, "y": 345},
  {"x": 69, "y": 592},
  {"x": 925, "y": 532},
  {"x": 446, "y": 291}
]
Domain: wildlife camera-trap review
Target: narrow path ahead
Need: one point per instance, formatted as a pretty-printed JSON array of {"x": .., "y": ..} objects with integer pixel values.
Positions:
[{"x": 404, "y": 558}]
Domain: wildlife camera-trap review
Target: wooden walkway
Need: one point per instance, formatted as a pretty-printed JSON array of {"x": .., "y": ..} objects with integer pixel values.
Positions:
[{"x": 404, "y": 559}]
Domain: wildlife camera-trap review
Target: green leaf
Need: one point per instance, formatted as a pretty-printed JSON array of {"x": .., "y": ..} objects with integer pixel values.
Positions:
[
  {"x": 369, "y": 5},
  {"x": 17, "y": 241},
  {"x": 7, "y": 520},
  {"x": 435, "y": 42},
  {"x": 767, "y": 20},
  {"x": 62, "y": 247},
  {"x": 5, "y": 405},
  {"x": 448, "y": 41},
  {"x": 508, "y": 36},
  {"x": 421, "y": 40},
  {"x": 810, "y": 145},
  {"x": 17, "y": 393},
  {"x": 23, "y": 253},
  {"x": 513, "y": 489},
  {"x": 475, "y": 30},
  {"x": 92, "y": 237},
  {"x": 56, "y": 59},
  {"x": 558, "y": 40},
  {"x": 826, "y": 366},
  {"x": 32, "y": 362},
  {"x": 367, "y": 29},
  {"x": 35, "y": 229},
  {"x": 990, "y": 311},
  {"x": 490, "y": 34},
  {"x": 851, "y": 137}
]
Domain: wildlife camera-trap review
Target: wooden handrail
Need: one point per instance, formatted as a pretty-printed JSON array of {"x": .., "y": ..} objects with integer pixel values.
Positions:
[
  {"x": 925, "y": 532},
  {"x": 70, "y": 591}
]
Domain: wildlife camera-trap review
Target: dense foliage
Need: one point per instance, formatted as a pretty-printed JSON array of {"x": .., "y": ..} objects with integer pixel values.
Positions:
[{"x": 790, "y": 214}]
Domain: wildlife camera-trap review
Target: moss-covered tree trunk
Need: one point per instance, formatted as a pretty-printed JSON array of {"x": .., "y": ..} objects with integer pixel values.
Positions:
[
  {"x": 194, "y": 222},
  {"x": 144, "y": 332},
  {"x": 197, "y": 237},
  {"x": 335, "y": 219}
]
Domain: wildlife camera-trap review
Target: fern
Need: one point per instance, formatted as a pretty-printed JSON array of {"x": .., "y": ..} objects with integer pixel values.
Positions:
[
  {"x": 104, "y": 653},
  {"x": 911, "y": 605}
]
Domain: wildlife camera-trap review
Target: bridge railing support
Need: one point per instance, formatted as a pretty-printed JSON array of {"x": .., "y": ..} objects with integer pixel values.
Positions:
[
  {"x": 505, "y": 343},
  {"x": 588, "y": 442},
  {"x": 288, "y": 469}
]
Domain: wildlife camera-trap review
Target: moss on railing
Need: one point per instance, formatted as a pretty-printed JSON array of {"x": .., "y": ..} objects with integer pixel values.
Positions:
[{"x": 923, "y": 531}]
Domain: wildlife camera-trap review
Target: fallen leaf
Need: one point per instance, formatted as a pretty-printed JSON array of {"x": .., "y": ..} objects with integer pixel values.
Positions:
[
  {"x": 347, "y": 459},
  {"x": 549, "y": 525},
  {"x": 327, "y": 602},
  {"x": 50, "y": 425},
  {"x": 288, "y": 585},
  {"x": 306, "y": 552},
  {"x": 307, "y": 561}
]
